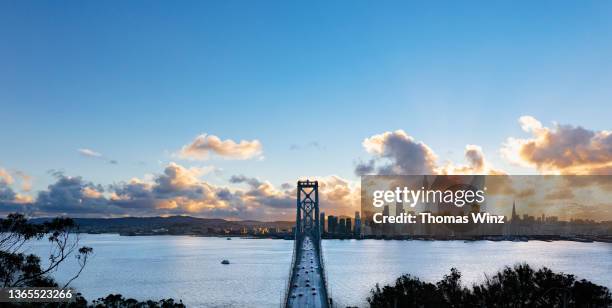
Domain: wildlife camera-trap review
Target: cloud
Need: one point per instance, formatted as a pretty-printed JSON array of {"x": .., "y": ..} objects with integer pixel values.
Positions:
[
  {"x": 203, "y": 145},
  {"x": 339, "y": 196},
  {"x": 10, "y": 201},
  {"x": 92, "y": 193},
  {"x": 253, "y": 182},
  {"x": 262, "y": 193},
  {"x": 562, "y": 149},
  {"x": 6, "y": 193},
  {"x": 93, "y": 154},
  {"x": 177, "y": 190},
  {"x": 403, "y": 153},
  {"x": 178, "y": 178},
  {"x": 476, "y": 164},
  {"x": 363, "y": 168},
  {"x": 9, "y": 198},
  {"x": 26, "y": 180},
  {"x": 6, "y": 177},
  {"x": 397, "y": 153},
  {"x": 89, "y": 153},
  {"x": 72, "y": 196},
  {"x": 561, "y": 194}
]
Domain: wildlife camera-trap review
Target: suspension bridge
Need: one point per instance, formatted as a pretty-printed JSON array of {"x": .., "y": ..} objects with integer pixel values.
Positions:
[{"x": 307, "y": 284}]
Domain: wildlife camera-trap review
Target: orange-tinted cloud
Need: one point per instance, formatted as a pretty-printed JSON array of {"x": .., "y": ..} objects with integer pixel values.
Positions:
[
  {"x": 339, "y": 196},
  {"x": 563, "y": 149},
  {"x": 476, "y": 164},
  {"x": 6, "y": 177},
  {"x": 203, "y": 145},
  {"x": 9, "y": 198},
  {"x": 26, "y": 181}
]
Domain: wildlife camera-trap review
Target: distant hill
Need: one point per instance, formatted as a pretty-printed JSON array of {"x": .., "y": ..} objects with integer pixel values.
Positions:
[{"x": 174, "y": 224}]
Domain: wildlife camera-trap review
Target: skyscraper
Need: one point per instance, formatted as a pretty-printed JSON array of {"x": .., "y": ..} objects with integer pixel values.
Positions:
[
  {"x": 322, "y": 222},
  {"x": 357, "y": 229},
  {"x": 341, "y": 226},
  {"x": 349, "y": 227},
  {"x": 399, "y": 210},
  {"x": 385, "y": 226},
  {"x": 332, "y": 223},
  {"x": 515, "y": 217}
]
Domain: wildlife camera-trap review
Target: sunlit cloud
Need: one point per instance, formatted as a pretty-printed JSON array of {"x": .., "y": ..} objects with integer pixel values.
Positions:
[
  {"x": 177, "y": 190},
  {"x": 562, "y": 149},
  {"x": 339, "y": 196},
  {"x": 90, "y": 192},
  {"x": 204, "y": 145},
  {"x": 9, "y": 197},
  {"x": 182, "y": 190},
  {"x": 6, "y": 177},
  {"x": 26, "y": 180},
  {"x": 476, "y": 163},
  {"x": 10, "y": 200},
  {"x": 397, "y": 153}
]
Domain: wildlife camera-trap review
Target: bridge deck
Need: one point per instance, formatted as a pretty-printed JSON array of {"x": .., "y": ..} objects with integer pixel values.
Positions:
[{"x": 307, "y": 285}]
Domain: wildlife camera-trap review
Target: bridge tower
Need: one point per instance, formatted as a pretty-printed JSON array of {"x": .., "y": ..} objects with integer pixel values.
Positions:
[
  {"x": 307, "y": 215},
  {"x": 307, "y": 283}
]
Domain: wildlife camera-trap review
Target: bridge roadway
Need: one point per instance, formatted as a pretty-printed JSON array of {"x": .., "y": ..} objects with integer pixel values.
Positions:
[{"x": 307, "y": 287}]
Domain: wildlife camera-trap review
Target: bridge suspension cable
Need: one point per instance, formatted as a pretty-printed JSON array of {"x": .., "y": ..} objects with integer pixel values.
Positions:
[{"x": 307, "y": 282}]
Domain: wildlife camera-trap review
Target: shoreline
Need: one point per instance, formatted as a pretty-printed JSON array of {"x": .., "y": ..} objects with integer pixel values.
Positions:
[{"x": 490, "y": 238}]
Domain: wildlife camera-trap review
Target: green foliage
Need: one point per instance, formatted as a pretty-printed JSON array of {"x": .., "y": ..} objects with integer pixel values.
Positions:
[
  {"x": 518, "y": 286},
  {"x": 117, "y": 301}
]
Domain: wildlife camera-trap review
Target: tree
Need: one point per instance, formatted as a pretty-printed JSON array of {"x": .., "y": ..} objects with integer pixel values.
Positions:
[
  {"x": 118, "y": 301},
  {"x": 518, "y": 286},
  {"x": 18, "y": 269}
]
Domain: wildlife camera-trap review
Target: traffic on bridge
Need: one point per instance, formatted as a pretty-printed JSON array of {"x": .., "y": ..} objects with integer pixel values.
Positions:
[{"x": 307, "y": 283}]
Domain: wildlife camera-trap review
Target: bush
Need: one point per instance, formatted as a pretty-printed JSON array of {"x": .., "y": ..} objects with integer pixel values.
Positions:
[{"x": 518, "y": 286}]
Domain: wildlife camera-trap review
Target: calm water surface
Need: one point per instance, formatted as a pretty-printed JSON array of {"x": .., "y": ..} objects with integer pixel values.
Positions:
[{"x": 189, "y": 268}]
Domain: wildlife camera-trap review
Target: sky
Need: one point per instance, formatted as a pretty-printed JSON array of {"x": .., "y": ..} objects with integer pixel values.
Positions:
[{"x": 248, "y": 96}]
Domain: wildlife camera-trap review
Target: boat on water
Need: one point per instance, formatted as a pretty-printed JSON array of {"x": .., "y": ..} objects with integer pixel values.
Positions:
[
  {"x": 225, "y": 262},
  {"x": 229, "y": 238}
]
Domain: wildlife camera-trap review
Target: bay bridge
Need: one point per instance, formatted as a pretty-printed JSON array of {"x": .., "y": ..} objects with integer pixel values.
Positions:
[{"x": 307, "y": 283}]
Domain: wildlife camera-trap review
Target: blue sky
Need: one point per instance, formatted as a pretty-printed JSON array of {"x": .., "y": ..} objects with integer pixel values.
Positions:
[{"x": 137, "y": 80}]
